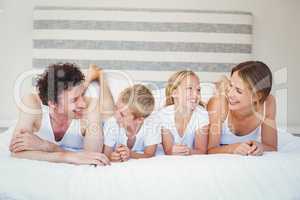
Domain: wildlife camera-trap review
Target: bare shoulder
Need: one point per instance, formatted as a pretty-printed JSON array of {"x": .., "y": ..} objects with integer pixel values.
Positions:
[
  {"x": 30, "y": 113},
  {"x": 30, "y": 101},
  {"x": 270, "y": 103},
  {"x": 218, "y": 104}
]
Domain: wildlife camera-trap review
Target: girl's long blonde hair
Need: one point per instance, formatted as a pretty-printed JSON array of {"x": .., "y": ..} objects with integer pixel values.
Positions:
[{"x": 173, "y": 83}]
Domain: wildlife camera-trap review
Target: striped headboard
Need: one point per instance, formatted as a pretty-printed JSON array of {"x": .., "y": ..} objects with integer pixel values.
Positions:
[{"x": 147, "y": 44}]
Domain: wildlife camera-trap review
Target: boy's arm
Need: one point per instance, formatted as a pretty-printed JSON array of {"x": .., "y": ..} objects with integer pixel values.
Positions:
[{"x": 149, "y": 152}]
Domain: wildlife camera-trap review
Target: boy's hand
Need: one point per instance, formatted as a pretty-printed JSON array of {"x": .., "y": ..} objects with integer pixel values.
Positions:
[{"x": 124, "y": 152}]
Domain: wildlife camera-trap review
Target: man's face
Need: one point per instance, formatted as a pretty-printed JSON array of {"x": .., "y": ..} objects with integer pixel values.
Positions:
[{"x": 71, "y": 102}]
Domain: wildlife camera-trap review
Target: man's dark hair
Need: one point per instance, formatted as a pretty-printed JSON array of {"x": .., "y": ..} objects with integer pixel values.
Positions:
[{"x": 57, "y": 78}]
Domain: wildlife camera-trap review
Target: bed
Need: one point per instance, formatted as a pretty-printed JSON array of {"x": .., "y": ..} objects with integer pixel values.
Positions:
[
  {"x": 275, "y": 175},
  {"x": 148, "y": 45}
]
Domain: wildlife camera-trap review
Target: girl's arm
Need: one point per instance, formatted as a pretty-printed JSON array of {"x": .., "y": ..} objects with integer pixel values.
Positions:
[
  {"x": 167, "y": 142},
  {"x": 173, "y": 149}
]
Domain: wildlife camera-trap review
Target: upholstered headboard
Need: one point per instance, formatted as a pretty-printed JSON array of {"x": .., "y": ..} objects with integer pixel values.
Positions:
[{"x": 147, "y": 44}]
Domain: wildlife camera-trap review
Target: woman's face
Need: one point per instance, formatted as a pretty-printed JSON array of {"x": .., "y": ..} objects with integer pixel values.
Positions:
[
  {"x": 187, "y": 94},
  {"x": 239, "y": 94}
]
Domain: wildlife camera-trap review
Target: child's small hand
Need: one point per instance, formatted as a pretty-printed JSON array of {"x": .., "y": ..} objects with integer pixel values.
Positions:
[
  {"x": 124, "y": 152},
  {"x": 180, "y": 149},
  {"x": 115, "y": 157}
]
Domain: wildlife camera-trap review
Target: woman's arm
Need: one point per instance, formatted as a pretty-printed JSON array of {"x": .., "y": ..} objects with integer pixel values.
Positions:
[
  {"x": 217, "y": 111},
  {"x": 269, "y": 128},
  {"x": 201, "y": 138}
]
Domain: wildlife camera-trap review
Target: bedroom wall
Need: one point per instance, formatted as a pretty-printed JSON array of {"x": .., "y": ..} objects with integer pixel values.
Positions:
[{"x": 275, "y": 39}]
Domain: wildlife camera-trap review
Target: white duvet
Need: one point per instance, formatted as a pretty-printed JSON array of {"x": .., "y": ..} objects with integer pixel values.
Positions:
[{"x": 272, "y": 176}]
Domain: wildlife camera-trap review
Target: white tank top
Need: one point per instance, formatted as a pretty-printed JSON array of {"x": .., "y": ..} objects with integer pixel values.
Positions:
[
  {"x": 72, "y": 139},
  {"x": 228, "y": 137}
]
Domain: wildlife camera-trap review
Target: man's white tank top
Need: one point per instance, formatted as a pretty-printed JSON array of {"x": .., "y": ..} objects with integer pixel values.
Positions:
[{"x": 72, "y": 139}]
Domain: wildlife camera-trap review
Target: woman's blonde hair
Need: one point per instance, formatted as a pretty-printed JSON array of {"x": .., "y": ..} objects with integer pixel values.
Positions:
[{"x": 173, "y": 83}]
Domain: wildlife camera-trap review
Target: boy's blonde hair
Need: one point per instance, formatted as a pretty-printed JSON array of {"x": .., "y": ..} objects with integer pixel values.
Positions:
[
  {"x": 139, "y": 100},
  {"x": 173, "y": 83}
]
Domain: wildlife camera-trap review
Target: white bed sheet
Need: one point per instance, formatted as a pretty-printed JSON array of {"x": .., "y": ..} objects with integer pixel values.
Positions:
[{"x": 276, "y": 175}]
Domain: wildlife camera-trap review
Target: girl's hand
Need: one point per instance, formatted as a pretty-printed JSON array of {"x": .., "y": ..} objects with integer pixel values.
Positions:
[{"x": 181, "y": 149}]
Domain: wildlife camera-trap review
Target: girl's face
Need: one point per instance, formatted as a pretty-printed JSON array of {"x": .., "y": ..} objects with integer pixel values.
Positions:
[
  {"x": 239, "y": 94},
  {"x": 187, "y": 94}
]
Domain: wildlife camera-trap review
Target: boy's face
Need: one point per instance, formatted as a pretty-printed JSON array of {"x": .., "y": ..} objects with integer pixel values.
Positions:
[{"x": 124, "y": 115}]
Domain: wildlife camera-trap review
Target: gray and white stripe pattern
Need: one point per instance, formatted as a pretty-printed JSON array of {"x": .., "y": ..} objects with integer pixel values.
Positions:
[{"x": 148, "y": 44}]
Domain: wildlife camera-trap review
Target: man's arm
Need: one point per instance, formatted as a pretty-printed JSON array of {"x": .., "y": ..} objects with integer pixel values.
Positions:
[
  {"x": 105, "y": 97},
  {"x": 77, "y": 158},
  {"x": 93, "y": 132}
]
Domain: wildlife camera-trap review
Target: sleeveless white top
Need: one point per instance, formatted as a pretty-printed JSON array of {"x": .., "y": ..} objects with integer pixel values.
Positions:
[
  {"x": 228, "y": 137},
  {"x": 72, "y": 139}
]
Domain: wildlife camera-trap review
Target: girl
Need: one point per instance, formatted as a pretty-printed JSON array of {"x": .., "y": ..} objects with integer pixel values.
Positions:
[
  {"x": 184, "y": 119},
  {"x": 244, "y": 112}
]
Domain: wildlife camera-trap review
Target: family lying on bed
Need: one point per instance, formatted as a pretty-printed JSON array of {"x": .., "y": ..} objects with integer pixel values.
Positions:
[{"x": 60, "y": 124}]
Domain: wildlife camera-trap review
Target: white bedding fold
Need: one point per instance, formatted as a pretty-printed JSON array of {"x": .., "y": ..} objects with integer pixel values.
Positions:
[{"x": 275, "y": 175}]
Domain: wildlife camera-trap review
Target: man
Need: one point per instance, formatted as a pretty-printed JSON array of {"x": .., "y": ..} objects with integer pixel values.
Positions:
[{"x": 63, "y": 125}]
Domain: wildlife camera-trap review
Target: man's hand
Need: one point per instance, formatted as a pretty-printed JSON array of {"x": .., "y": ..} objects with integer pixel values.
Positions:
[
  {"x": 181, "y": 149},
  {"x": 23, "y": 140},
  {"x": 86, "y": 158}
]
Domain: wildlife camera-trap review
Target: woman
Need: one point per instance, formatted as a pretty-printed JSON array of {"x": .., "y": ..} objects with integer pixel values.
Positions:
[{"x": 242, "y": 117}]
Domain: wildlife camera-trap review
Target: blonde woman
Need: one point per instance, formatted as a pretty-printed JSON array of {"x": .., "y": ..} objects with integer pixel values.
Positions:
[
  {"x": 184, "y": 118},
  {"x": 242, "y": 119}
]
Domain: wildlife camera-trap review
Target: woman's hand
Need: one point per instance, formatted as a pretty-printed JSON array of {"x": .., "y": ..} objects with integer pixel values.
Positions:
[
  {"x": 243, "y": 149},
  {"x": 257, "y": 149}
]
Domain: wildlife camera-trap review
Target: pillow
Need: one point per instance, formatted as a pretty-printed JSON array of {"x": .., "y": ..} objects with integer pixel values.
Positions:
[{"x": 117, "y": 82}]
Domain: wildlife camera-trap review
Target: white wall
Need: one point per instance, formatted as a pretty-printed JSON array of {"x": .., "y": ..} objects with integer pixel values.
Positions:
[{"x": 276, "y": 28}]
